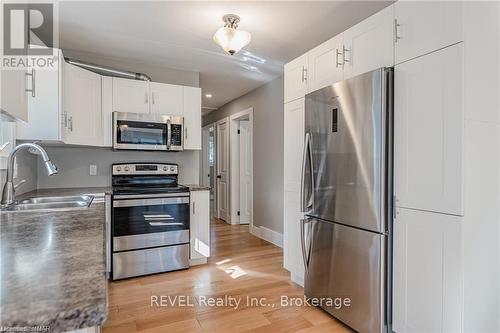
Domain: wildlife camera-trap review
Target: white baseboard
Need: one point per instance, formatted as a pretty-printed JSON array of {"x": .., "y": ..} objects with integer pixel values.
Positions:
[
  {"x": 268, "y": 235},
  {"x": 197, "y": 261}
]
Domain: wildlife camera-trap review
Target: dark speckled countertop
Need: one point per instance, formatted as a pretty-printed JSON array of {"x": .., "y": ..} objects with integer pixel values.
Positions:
[{"x": 53, "y": 265}]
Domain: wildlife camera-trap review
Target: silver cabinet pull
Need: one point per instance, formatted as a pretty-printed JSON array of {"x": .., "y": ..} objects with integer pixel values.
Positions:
[
  {"x": 153, "y": 97},
  {"x": 146, "y": 97},
  {"x": 304, "y": 74},
  {"x": 194, "y": 207},
  {"x": 337, "y": 63},
  {"x": 32, "y": 90},
  {"x": 70, "y": 123},
  {"x": 344, "y": 58},
  {"x": 186, "y": 133},
  {"x": 396, "y": 26}
]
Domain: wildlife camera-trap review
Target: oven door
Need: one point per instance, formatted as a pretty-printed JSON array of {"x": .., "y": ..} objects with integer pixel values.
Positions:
[
  {"x": 140, "y": 131},
  {"x": 141, "y": 222}
]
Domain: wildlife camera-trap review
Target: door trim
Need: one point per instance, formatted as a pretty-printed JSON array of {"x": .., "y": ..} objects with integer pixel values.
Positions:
[{"x": 234, "y": 165}]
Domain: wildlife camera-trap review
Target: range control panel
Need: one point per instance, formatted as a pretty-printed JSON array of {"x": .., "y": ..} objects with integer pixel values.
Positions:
[{"x": 145, "y": 168}]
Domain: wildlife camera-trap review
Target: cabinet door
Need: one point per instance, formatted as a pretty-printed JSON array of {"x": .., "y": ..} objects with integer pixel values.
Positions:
[
  {"x": 45, "y": 119},
  {"x": 107, "y": 110},
  {"x": 14, "y": 98},
  {"x": 200, "y": 224},
  {"x": 130, "y": 95},
  {"x": 427, "y": 272},
  {"x": 294, "y": 123},
  {"x": 428, "y": 132},
  {"x": 82, "y": 100},
  {"x": 166, "y": 99},
  {"x": 426, "y": 26},
  {"x": 325, "y": 64},
  {"x": 369, "y": 44},
  {"x": 296, "y": 78},
  {"x": 192, "y": 118},
  {"x": 293, "y": 261}
]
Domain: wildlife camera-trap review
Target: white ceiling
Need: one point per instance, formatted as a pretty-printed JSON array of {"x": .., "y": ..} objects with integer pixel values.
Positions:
[{"x": 179, "y": 35}]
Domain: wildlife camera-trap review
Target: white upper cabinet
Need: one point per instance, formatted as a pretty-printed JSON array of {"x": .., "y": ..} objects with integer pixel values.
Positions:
[
  {"x": 14, "y": 97},
  {"x": 326, "y": 64},
  {"x": 428, "y": 132},
  {"x": 425, "y": 26},
  {"x": 82, "y": 104},
  {"x": 296, "y": 78},
  {"x": 427, "y": 274},
  {"x": 131, "y": 95},
  {"x": 369, "y": 44},
  {"x": 107, "y": 110},
  {"x": 46, "y": 119},
  {"x": 294, "y": 123},
  {"x": 166, "y": 99},
  {"x": 192, "y": 118}
]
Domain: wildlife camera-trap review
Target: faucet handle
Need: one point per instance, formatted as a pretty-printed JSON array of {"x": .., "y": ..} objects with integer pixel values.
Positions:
[{"x": 20, "y": 183}]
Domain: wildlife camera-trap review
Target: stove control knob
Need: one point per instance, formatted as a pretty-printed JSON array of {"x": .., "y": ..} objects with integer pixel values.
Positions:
[
  {"x": 127, "y": 168},
  {"x": 118, "y": 168},
  {"x": 165, "y": 168},
  {"x": 172, "y": 168}
]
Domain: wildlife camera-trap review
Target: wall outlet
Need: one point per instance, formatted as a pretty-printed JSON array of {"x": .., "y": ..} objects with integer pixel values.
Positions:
[{"x": 93, "y": 170}]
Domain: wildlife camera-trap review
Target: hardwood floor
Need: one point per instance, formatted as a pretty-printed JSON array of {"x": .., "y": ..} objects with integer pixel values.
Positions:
[{"x": 241, "y": 265}]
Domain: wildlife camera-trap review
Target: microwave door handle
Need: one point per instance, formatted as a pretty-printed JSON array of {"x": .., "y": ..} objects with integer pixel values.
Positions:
[{"x": 169, "y": 133}]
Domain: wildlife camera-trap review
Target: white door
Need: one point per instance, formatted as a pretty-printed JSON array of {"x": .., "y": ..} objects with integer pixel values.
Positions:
[
  {"x": 428, "y": 132},
  {"x": 294, "y": 127},
  {"x": 205, "y": 166},
  {"x": 200, "y": 224},
  {"x": 130, "y": 95},
  {"x": 14, "y": 97},
  {"x": 166, "y": 99},
  {"x": 370, "y": 44},
  {"x": 82, "y": 102},
  {"x": 426, "y": 26},
  {"x": 192, "y": 118},
  {"x": 295, "y": 78},
  {"x": 245, "y": 172},
  {"x": 427, "y": 272},
  {"x": 325, "y": 64},
  {"x": 223, "y": 169}
]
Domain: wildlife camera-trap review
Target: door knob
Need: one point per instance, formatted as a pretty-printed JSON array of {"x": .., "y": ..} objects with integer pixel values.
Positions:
[{"x": 219, "y": 176}]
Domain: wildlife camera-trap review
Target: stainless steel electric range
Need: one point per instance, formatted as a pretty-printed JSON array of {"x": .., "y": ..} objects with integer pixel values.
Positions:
[{"x": 150, "y": 220}]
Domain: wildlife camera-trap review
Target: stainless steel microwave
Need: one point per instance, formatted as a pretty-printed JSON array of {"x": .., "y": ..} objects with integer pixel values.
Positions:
[{"x": 139, "y": 131}]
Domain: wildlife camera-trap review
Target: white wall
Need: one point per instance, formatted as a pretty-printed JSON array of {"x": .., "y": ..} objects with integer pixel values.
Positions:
[{"x": 267, "y": 103}]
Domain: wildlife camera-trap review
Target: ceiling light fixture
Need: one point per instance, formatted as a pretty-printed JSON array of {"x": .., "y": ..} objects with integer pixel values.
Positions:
[
  {"x": 230, "y": 39},
  {"x": 208, "y": 95}
]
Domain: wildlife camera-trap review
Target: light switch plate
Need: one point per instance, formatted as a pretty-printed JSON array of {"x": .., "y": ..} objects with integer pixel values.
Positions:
[{"x": 93, "y": 170}]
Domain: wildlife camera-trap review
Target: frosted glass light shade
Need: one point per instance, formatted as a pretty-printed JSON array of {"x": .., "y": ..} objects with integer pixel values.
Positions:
[{"x": 232, "y": 40}]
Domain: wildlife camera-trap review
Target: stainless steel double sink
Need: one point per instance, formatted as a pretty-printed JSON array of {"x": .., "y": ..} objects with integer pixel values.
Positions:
[{"x": 51, "y": 203}]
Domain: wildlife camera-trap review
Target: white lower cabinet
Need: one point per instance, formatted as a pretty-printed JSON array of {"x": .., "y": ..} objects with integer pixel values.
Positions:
[
  {"x": 427, "y": 286},
  {"x": 199, "y": 226},
  {"x": 292, "y": 215}
]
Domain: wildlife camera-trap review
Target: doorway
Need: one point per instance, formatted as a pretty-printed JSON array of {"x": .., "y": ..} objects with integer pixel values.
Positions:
[
  {"x": 222, "y": 170},
  {"x": 208, "y": 163},
  {"x": 241, "y": 167}
]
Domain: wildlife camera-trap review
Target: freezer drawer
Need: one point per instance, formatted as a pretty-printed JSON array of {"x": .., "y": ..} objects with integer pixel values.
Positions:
[
  {"x": 345, "y": 263},
  {"x": 149, "y": 261}
]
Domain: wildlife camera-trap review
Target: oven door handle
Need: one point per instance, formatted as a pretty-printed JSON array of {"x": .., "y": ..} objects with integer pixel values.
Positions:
[
  {"x": 159, "y": 223},
  {"x": 150, "y": 202}
]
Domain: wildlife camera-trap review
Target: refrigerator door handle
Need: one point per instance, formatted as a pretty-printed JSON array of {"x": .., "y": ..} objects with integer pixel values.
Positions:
[
  {"x": 303, "y": 207},
  {"x": 310, "y": 204},
  {"x": 306, "y": 247}
]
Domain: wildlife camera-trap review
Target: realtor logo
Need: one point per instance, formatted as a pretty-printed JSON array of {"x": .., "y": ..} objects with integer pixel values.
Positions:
[{"x": 26, "y": 27}]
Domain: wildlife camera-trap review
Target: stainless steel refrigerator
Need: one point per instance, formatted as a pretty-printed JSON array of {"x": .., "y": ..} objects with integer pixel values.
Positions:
[{"x": 347, "y": 197}]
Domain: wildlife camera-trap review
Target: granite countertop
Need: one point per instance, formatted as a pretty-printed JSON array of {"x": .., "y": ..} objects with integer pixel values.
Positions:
[
  {"x": 196, "y": 187},
  {"x": 53, "y": 266}
]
